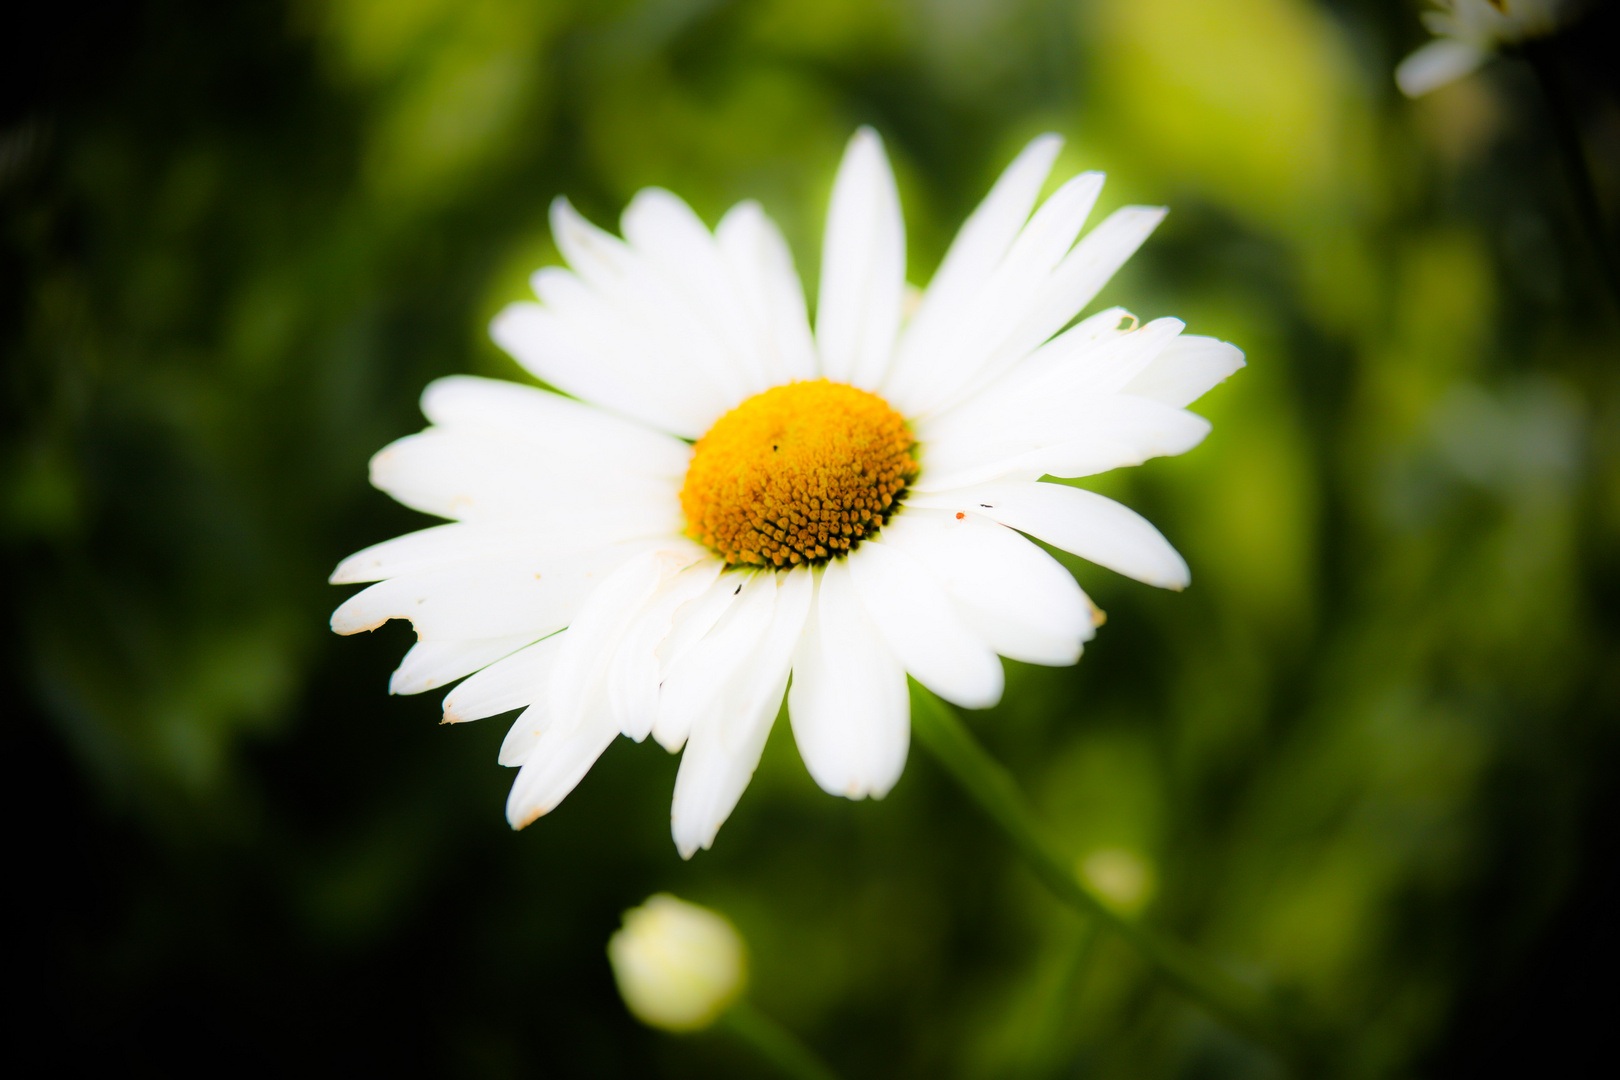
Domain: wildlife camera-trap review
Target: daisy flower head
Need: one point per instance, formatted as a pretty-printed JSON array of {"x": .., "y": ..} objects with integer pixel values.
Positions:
[
  {"x": 721, "y": 504},
  {"x": 1469, "y": 32}
]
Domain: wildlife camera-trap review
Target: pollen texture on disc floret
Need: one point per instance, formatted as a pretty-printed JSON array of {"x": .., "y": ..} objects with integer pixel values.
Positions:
[{"x": 800, "y": 473}]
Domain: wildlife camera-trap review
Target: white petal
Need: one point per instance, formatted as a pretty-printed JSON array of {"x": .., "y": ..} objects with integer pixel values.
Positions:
[
  {"x": 444, "y": 546},
  {"x": 432, "y": 549},
  {"x": 563, "y": 428},
  {"x": 693, "y": 621},
  {"x": 1018, "y": 597},
  {"x": 915, "y": 617},
  {"x": 578, "y": 688},
  {"x": 1050, "y": 233},
  {"x": 596, "y": 255},
  {"x": 725, "y": 744},
  {"x": 646, "y": 326},
  {"x": 1091, "y": 526},
  {"x": 762, "y": 268},
  {"x": 1053, "y": 389},
  {"x": 1436, "y": 64},
  {"x": 659, "y": 225},
  {"x": 988, "y": 333},
  {"x": 1103, "y": 326},
  {"x": 1109, "y": 432},
  {"x": 863, "y": 267},
  {"x": 1106, "y": 367},
  {"x": 523, "y": 736},
  {"x": 700, "y": 677},
  {"x": 1009, "y": 389},
  {"x": 849, "y": 705},
  {"x": 517, "y": 681},
  {"x": 713, "y": 775},
  {"x": 1083, "y": 273},
  {"x": 1186, "y": 370},
  {"x": 585, "y": 360},
  {"x": 633, "y": 309},
  {"x": 773, "y": 652},
  {"x": 556, "y": 764},
  {"x": 431, "y": 664},
  {"x": 1095, "y": 259},
  {"x": 982, "y": 241},
  {"x": 458, "y": 474},
  {"x": 1129, "y": 432},
  {"x": 496, "y": 597},
  {"x": 633, "y": 676}
]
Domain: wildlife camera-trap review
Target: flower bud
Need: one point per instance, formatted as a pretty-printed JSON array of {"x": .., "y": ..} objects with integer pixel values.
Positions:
[
  {"x": 1123, "y": 879},
  {"x": 678, "y": 965}
]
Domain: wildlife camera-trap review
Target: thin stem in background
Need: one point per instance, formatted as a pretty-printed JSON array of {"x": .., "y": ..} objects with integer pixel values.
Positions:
[
  {"x": 775, "y": 1043},
  {"x": 1567, "y": 134},
  {"x": 1245, "y": 1008},
  {"x": 1050, "y": 1043}
]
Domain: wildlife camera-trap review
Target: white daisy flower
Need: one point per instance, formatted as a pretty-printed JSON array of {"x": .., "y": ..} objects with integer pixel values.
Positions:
[
  {"x": 730, "y": 507},
  {"x": 1469, "y": 32}
]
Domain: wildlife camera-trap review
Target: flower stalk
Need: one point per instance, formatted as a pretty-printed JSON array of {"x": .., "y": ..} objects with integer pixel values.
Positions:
[
  {"x": 775, "y": 1043},
  {"x": 1247, "y": 1009},
  {"x": 1048, "y": 1045},
  {"x": 1565, "y": 125}
]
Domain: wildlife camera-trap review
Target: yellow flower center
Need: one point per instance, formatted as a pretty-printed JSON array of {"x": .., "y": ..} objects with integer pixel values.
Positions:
[{"x": 797, "y": 474}]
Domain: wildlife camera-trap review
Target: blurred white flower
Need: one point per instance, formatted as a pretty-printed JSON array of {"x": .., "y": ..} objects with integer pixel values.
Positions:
[
  {"x": 850, "y": 512},
  {"x": 678, "y": 965},
  {"x": 1469, "y": 32}
]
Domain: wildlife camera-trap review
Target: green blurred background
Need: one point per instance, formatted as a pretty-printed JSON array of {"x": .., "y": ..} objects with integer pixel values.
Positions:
[{"x": 1367, "y": 755}]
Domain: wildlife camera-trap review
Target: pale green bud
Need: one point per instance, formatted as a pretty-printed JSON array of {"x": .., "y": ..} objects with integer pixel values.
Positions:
[
  {"x": 1123, "y": 879},
  {"x": 678, "y": 965}
]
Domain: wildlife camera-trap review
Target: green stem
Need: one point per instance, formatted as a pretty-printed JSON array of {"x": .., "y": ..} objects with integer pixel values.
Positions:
[
  {"x": 1567, "y": 134},
  {"x": 1049, "y": 1044},
  {"x": 775, "y": 1043},
  {"x": 938, "y": 727}
]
